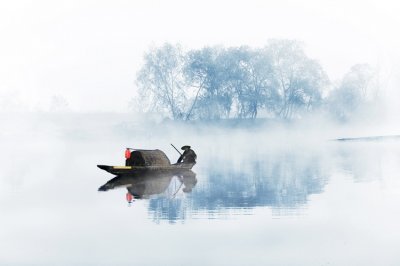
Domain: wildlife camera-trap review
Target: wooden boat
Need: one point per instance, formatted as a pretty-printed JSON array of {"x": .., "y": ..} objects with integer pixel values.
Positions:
[
  {"x": 126, "y": 170},
  {"x": 141, "y": 161}
]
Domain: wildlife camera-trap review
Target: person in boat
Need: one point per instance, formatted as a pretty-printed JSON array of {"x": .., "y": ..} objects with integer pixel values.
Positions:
[{"x": 188, "y": 156}]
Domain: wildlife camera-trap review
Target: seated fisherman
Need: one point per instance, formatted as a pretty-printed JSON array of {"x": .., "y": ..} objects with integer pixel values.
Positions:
[{"x": 188, "y": 156}]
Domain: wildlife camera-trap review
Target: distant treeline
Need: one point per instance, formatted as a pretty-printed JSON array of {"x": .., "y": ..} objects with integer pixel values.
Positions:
[{"x": 276, "y": 81}]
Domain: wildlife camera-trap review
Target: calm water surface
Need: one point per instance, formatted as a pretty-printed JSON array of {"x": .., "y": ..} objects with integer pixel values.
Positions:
[{"x": 326, "y": 203}]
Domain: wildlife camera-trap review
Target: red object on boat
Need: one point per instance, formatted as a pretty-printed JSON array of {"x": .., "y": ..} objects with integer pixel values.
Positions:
[
  {"x": 127, "y": 154},
  {"x": 129, "y": 197}
]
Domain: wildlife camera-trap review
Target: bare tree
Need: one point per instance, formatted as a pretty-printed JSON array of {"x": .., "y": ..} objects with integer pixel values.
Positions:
[
  {"x": 300, "y": 79},
  {"x": 252, "y": 80},
  {"x": 217, "y": 82},
  {"x": 161, "y": 81},
  {"x": 205, "y": 71},
  {"x": 58, "y": 104},
  {"x": 356, "y": 89}
]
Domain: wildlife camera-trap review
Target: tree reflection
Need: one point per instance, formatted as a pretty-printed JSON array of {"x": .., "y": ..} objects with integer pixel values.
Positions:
[
  {"x": 281, "y": 182},
  {"x": 237, "y": 183}
]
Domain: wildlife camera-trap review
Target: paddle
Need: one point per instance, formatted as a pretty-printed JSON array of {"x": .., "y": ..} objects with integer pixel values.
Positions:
[{"x": 176, "y": 149}]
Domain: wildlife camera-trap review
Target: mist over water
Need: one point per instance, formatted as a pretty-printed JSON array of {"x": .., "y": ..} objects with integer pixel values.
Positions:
[
  {"x": 266, "y": 89},
  {"x": 260, "y": 192}
]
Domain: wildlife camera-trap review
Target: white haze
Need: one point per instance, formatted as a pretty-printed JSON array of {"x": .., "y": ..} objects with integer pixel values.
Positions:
[
  {"x": 53, "y": 214},
  {"x": 88, "y": 52},
  {"x": 67, "y": 71}
]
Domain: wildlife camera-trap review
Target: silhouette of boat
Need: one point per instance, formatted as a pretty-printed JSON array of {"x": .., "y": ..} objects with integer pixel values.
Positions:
[
  {"x": 145, "y": 184},
  {"x": 141, "y": 161}
]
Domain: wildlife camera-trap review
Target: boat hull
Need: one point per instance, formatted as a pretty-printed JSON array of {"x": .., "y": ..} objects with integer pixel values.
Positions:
[{"x": 132, "y": 170}]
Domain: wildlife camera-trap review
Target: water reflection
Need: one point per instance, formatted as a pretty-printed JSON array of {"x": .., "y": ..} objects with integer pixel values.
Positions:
[
  {"x": 363, "y": 162},
  {"x": 283, "y": 183},
  {"x": 280, "y": 181},
  {"x": 143, "y": 185},
  {"x": 236, "y": 184}
]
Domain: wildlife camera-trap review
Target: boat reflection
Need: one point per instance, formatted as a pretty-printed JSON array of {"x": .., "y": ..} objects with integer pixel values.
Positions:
[
  {"x": 280, "y": 182},
  {"x": 148, "y": 183}
]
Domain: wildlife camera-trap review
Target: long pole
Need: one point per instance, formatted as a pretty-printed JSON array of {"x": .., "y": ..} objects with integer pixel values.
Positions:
[{"x": 176, "y": 149}]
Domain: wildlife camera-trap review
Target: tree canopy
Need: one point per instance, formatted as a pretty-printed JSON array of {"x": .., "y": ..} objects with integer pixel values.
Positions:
[{"x": 278, "y": 80}]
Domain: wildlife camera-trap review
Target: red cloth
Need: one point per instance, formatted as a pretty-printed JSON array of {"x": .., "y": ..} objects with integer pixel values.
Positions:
[
  {"x": 127, "y": 154},
  {"x": 129, "y": 197}
]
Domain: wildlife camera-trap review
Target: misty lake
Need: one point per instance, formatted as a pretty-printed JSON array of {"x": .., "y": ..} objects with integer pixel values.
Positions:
[{"x": 258, "y": 197}]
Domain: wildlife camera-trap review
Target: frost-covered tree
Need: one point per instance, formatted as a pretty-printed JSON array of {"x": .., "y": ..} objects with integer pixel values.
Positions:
[
  {"x": 300, "y": 79},
  {"x": 205, "y": 70},
  {"x": 356, "y": 89},
  {"x": 58, "y": 104},
  {"x": 218, "y": 82},
  {"x": 238, "y": 76},
  {"x": 252, "y": 80},
  {"x": 160, "y": 80}
]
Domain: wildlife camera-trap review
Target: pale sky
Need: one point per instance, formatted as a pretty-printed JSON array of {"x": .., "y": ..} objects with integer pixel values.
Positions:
[{"x": 89, "y": 51}]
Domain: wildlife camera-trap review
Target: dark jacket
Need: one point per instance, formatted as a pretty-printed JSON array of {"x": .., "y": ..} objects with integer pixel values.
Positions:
[{"x": 189, "y": 156}]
